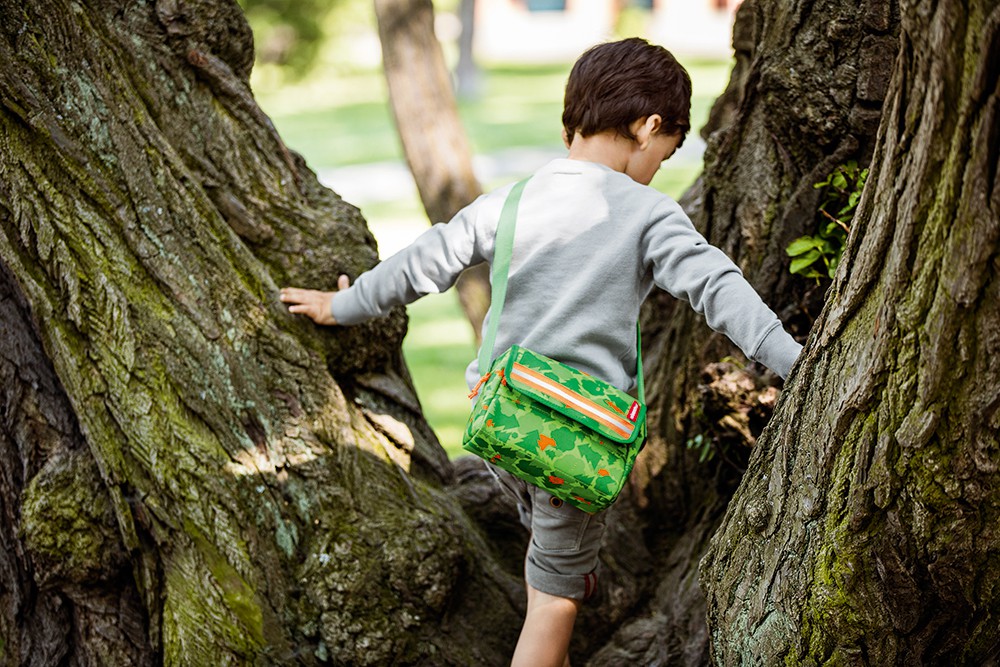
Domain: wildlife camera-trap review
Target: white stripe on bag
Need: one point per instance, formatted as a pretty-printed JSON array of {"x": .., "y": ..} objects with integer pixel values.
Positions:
[{"x": 570, "y": 398}]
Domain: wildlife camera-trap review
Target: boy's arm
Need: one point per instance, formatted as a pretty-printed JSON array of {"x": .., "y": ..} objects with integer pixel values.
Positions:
[
  {"x": 432, "y": 263},
  {"x": 690, "y": 268}
]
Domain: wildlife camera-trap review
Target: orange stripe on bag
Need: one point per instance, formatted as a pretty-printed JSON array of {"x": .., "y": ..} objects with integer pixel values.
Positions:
[{"x": 557, "y": 391}]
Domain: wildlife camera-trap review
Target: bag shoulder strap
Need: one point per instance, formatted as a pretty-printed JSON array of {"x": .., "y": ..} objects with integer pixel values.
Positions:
[{"x": 502, "y": 251}]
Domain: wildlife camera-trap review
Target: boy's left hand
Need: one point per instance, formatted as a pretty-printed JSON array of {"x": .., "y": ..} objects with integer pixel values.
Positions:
[{"x": 313, "y": 303}]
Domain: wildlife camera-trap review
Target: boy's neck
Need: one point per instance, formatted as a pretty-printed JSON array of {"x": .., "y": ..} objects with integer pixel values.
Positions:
[{"x": 608, "y": 148}]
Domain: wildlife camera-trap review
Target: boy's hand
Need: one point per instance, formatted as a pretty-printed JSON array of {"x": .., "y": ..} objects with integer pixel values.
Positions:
[{"x": 313, "y": 303}]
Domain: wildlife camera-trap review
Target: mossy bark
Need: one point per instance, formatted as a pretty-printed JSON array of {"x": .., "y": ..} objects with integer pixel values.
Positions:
[
  {"x": 67, "y": 593},
  {"x": 257, "y": 490},
  {"x": 865, "y": 530}
]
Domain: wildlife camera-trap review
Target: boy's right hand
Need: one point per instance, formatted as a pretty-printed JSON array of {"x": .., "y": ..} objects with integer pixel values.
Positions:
[{"x": 313, "y": 303}]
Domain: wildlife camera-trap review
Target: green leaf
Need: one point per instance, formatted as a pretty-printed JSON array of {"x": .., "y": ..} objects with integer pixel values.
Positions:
[
  {"x": 802, "y": 244},
  {"x": 799, "y": 264}
]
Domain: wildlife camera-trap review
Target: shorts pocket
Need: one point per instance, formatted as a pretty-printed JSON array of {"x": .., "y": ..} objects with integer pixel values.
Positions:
[{"x": 556, "y": 526}]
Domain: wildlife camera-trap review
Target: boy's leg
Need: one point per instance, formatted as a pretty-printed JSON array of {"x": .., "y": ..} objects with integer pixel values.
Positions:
[
  {"x": 548, "y": 628},
  {"x": 560, "y": 571},
  {"x": 560, "y": 568}
]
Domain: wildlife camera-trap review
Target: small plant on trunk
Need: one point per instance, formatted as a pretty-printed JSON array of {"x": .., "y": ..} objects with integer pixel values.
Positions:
[{"x": 818, "y": 256}]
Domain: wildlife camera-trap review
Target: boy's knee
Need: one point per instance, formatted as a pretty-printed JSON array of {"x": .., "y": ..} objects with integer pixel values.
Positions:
[{"x": 542, "y": 602}]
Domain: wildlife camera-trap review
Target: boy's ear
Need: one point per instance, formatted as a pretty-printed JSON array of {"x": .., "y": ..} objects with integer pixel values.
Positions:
[{"x": 648, "y": 127}]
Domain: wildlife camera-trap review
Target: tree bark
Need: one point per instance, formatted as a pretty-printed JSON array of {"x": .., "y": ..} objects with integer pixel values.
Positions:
[
  {"x": 434, "y": 140},
  {"x": 57, "y": 602},
  {"x": 865, "y": 530},
  {"x": 254, "y": 490},
  {"x": 804, "y": 97}
]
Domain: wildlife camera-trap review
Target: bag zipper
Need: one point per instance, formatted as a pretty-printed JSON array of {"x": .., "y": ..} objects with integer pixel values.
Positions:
[
  {"x": 482, "y": 381},
  {"x": 475, "y": 390}
]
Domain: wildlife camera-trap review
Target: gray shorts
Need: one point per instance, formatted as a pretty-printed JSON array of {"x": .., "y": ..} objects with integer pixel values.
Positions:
[{"x": 562, "y": 555}]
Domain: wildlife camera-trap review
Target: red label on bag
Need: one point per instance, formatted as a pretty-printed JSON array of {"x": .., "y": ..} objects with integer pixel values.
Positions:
[{"x": 633, "y": 412}]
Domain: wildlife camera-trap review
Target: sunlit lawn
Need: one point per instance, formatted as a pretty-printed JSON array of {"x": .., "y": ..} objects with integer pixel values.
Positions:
[
  {"x": 437, "y": 348},
  {"x": 345, "y": 120}
]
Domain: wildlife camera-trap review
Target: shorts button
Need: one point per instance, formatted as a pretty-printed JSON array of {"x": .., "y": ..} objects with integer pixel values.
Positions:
[{"x": 555, "y": 502}]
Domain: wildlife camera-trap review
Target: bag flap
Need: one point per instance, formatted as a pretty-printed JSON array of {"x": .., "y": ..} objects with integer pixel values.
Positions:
[{"x": 575, "y": 394}]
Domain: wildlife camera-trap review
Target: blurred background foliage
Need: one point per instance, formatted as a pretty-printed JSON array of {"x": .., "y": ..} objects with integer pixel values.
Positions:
[
  {"x": 295, "y": 37},
  {"x": 287, "y": 33}
]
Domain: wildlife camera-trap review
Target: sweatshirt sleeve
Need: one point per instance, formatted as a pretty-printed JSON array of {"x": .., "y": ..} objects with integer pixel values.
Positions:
[
  {"x": 688, "y": 267},
  {"x": 431, "y": 264}
]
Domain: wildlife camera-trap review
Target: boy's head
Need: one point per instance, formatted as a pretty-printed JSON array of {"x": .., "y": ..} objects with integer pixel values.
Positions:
[{"x": 614, "y": 84}]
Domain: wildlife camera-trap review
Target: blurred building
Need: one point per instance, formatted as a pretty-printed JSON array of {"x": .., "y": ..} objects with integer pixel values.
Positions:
[{"x": 559, "y": 30}]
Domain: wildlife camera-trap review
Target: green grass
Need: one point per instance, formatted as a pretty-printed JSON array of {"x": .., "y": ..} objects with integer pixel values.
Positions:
[
  {"x": 437, "y": 348},
  {"x": 345, "y": 120},
  {"x": 519, "y": 106},
  {"x": 352, "y": 134}
]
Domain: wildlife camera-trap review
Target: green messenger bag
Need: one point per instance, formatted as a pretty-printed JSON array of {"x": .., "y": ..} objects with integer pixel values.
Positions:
[{"x": 547, "y": 423}]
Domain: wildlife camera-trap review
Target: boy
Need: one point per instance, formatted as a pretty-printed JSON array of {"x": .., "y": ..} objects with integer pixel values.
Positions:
[{"x": 591, "y": 241}]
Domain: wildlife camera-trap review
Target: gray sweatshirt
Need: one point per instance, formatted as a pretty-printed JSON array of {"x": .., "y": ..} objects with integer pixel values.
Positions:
[{"x": 589, "y": 246}]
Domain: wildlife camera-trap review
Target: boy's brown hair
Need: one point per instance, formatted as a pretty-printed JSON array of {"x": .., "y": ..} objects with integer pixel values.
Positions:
[{"x": 616, "y": 83}]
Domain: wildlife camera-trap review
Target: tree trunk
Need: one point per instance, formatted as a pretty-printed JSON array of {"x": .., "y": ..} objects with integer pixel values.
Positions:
[
  {"x": 865, "y": 531},
  {"x": 190, "y": 475},
  {"x": 431, "y": 132},
  {"x": 803, "y": 98}
]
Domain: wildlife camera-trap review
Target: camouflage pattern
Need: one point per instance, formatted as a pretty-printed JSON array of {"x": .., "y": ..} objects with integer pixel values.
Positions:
[{"x": 548, "y": 443}]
